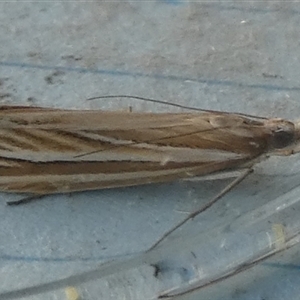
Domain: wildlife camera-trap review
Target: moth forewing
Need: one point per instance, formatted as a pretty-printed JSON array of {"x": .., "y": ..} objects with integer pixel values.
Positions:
[{"x": 52, "y": 151}]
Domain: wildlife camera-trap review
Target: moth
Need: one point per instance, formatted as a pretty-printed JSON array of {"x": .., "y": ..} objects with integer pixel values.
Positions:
[{"x": 45, "y": 150}]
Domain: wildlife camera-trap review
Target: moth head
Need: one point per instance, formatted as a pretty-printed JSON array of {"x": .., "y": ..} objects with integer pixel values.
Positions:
[{"x": 283, "y": 133}]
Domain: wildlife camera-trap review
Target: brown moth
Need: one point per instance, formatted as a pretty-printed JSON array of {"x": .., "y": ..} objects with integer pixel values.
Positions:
[{"x": 45, "y": 151}]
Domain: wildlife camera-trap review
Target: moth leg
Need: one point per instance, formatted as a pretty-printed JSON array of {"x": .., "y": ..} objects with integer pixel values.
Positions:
[
  {"x": 25, "y": 200},
  {"x": 286, "y": 152},
  {"x": 192, "y": 215}
]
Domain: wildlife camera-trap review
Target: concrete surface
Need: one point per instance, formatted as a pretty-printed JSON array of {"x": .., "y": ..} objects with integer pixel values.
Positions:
[{"x": 233, "y": 56}]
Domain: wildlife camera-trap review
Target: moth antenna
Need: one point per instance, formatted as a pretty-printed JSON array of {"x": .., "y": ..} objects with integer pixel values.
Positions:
[
  {"x": 149, "y": 100},
  {"x": 174, "y": 105}
]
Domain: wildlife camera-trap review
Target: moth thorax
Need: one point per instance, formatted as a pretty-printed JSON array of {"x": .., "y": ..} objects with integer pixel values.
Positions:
[{"x": 282, "y": 133}]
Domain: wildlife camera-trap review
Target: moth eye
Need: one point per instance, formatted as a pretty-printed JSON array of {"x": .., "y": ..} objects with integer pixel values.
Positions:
[{"x": 282, "y": 138}]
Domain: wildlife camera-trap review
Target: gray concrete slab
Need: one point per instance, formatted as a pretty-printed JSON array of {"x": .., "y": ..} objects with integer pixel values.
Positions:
[{"x": 233, "y": 56}]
